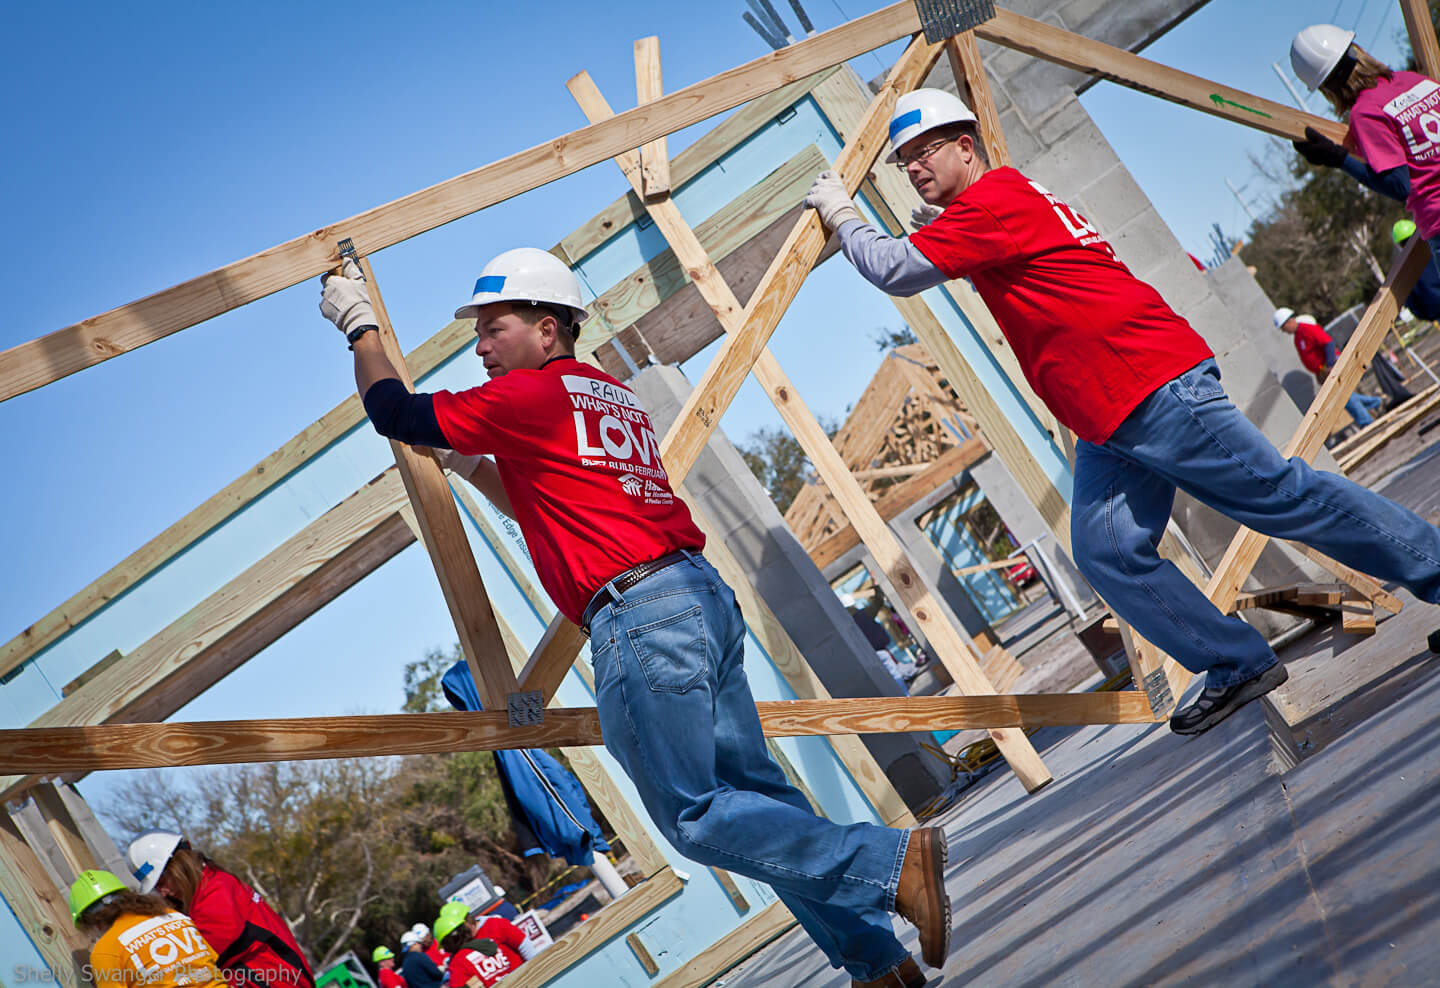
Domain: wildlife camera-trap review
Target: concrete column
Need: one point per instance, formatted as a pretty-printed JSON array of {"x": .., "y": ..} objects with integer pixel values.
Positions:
[{"x": 722, "y": 486}]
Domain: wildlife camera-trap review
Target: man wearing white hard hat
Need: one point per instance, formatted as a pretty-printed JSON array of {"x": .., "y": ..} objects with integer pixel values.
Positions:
[
  {"x": 416, "y": 967},
  {"x": 576, "y": 462},
  {"x": 1316, "y": 350},
  {"x": 1138, "y": 386}
]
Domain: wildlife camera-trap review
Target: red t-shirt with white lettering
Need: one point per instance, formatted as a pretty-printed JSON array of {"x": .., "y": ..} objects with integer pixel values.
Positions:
[
  {"x": 1092, "y": 339},
  {"x": 470, "y": 963},
  {"x": 581, "y": 464},
  {"x": 1310, "y": 343},
  {"x": 1397, "y": 122}
]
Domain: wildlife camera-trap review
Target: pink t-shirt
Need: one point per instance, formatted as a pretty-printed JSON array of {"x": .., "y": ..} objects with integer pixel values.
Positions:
[{"x": 1397, "y": 122}]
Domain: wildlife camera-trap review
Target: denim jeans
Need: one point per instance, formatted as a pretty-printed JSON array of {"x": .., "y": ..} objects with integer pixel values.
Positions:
[
  {"x": 1360, "y": 406},
  {"x": 1187, "y": 434},
  {"x": 677, "y": 714}
]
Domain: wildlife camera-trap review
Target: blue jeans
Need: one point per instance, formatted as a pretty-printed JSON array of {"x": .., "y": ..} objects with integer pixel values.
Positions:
[
  {"x": 677, "y": 714},
  {"x": 1187, "y": 434},
  {"x": 1360, "y": 406}
]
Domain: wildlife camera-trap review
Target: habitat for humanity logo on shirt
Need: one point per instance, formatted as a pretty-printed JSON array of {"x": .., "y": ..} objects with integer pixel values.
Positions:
[
  {"x": 1417, "y": 111},
  {"x": 613, "y": 431}
]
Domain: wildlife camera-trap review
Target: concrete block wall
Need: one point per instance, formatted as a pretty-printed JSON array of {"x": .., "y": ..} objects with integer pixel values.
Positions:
[{"x": 722, "y": 486}]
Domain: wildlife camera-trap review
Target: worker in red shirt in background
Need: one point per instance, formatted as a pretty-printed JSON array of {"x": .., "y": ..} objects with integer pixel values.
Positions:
[
  {"x": 384, "y": 959},
  {"x": 254, "y": 943},
  {"x": 430, "y": 945},
  {"x": 1317, "y": 353},
  {"x": 481, "y": 953},
  {"x": 1138, "y": 386}
]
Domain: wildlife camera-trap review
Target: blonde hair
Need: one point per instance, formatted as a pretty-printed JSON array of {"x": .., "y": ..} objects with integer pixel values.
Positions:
[{"x": 1365, "y": 71}]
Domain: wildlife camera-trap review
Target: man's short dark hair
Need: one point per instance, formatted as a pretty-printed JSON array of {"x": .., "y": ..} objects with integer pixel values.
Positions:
[
  {"x": 533, "y": 312},
  {"x": 968, "y": 127}
]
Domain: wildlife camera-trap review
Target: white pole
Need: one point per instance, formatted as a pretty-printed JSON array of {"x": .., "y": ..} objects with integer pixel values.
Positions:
[
  {"x": 608, "y": 877},
  {"x": 1294, "y": 93}
]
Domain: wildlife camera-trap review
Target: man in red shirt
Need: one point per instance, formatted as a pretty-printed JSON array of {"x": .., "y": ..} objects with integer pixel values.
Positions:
[
  {"x": 481, "y": 952},
  {"x": 1317, "y": 354},
  {"x": 384, "y": 959},
  {"x": 576, "y": 464},
  {"x": 1139, "y": 388}
]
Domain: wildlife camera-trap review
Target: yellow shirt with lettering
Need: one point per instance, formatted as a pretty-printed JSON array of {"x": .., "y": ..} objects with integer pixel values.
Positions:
[{"x": 153, "y": 952}]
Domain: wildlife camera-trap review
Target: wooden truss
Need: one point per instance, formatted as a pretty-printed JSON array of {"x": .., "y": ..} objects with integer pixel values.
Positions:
[{"x": 85, "y": 734}]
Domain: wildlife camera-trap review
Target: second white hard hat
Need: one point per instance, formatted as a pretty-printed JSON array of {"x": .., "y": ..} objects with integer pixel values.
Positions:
[
  {"x": 148, "y": 855},
  {"x": 1282, "y": 316},
  {"x": 1317, "y": 50},
  {"x": 526, "y": 274},
  {"x": 922, "y": 110}
]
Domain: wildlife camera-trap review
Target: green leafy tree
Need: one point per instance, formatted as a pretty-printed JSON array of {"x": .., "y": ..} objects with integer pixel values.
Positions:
[{"x": 778, "y": 461}]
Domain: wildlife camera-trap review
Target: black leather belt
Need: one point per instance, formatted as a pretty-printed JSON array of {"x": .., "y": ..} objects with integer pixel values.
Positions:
[{"x": 626, "y": 580}]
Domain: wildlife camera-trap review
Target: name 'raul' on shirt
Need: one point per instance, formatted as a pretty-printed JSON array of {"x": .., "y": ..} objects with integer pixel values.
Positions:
[{"x": 613, "y": 431}]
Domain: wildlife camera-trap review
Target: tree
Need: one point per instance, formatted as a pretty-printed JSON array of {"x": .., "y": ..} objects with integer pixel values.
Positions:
[{"x": 887, "y": 339}]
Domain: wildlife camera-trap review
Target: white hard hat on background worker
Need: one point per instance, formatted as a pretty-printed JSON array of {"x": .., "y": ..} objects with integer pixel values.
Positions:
[
  {"x": 921, "y": 111},
  {"x": 1282, "y": 316},
  {"x": 148, "y": 855},
  {"x": 527, "y": 274},
  {"x": 1317, "y": 50}
]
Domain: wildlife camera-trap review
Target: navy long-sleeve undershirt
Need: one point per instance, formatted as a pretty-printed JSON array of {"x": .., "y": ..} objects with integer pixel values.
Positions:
[{"x": 408, "y": 418}]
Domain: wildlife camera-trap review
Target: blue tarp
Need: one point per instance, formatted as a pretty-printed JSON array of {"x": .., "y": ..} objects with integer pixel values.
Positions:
[{"x": 547, "y": 803}]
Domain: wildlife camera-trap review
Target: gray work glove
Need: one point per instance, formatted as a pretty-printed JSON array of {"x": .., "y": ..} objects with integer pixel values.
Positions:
[
  {"x": 345, "y": 300},
  {"x": 457, "y": 463},
  {"x": 921, "y": 215},
  {"x": 829, "y": 198}
]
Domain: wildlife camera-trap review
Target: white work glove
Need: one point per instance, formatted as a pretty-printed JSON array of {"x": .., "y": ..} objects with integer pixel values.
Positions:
[
  {"x": 344, "y": 299},
  {"x": 829, "y": 198},
  {"x": 921, "y": 215},
  {"x": 457, "y": 463}
]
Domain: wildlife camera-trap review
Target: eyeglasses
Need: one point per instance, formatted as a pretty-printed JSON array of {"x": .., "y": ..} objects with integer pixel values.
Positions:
[{"x": 924, "y": 153}]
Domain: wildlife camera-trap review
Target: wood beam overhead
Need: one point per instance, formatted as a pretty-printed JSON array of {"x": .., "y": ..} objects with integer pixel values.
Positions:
[
  {"x": 51, "y": 750},
  {"x": 34, "y": 364},
  {"x": 1095, "y": 58}
]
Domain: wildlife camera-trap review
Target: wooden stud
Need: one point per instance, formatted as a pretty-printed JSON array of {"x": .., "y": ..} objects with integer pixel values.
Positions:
[
  {"x": 974, "y": 88},
  {"x": 39, "y": 906},
  {"x": 1357, "y": 617},
  {"x": 34, "y": 364},
  {"x": 63, "y": 828},
  {"x": 90, "y": 673},
  {"x": 596, "y": 931},
  {"x": 52, "y": 750},
  {"x": 1360, "y": 436},
  {"x": 732, "y": 891},
  {"x": 637, "y": 947},
  {"x": 1363, "y": 584},
  {"x": 1376, "y": 441},
  {"x": 706, "y": 967},
  {"x": 1421, "y": 31},
  {"x": 921, "y": 599},
  {"x": 445, "y": 541},
  {"x": 1102, "y": 61},
  {"x": 654, "y": 156}
]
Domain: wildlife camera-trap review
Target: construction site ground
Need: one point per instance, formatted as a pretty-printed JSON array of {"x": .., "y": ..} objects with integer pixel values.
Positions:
[{"x": 1293, "y": 844}]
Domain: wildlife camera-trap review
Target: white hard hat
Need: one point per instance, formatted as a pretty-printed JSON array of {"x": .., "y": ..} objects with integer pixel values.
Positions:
[
  {"x": 148, "y": 855},
  {"x": 1317, "y": 50},
  {"x": 922, "y": 110},
  {"x": 409, "y": 938},
  {"x": 420, "y": 930},
  {"x": 1282, "y": 316},
  {"x": 500, "y": 891},
  {"x": 526, "y": 274}
]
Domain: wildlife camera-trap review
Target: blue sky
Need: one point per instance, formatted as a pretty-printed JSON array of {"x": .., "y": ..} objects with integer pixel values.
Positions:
[{"x": 147, "y": 145}]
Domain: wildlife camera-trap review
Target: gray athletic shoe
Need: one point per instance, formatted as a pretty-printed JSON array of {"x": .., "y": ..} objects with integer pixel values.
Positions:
[{"x": 1214, "y": 703}]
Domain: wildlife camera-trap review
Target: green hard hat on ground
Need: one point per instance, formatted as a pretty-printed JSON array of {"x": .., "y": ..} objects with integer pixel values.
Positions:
[
  {"x": 382, "y": 953},
  {"x": 92, "y": 886},
  {"x": 452, "y": 915},
  {"x": 1403, "y": 230}
]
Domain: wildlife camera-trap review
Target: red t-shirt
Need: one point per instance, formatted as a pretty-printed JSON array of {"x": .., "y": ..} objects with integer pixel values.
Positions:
[
  {"x": 470, "y": 963},
  {"x": 1397, "y": 122},
  {"x": 436, "y": 954},
  {"x": 1091, "y": 338},
  {"x": 581, "y": 464},
  {"x": 390, "y": 978},
  {"x": 1310, "y": 343},
  {"x": 254, "y": 944}
]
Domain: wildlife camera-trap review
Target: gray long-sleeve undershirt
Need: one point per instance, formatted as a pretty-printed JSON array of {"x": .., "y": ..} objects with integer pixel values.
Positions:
[{"x": 893, "y": 265}]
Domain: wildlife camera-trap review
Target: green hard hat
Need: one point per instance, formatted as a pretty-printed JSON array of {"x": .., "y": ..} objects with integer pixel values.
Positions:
[
  {"x": 382, "y": 953},
  {"x": 1403, "y": 230},
  {"x": 92, "y": 886},
  {"x": 452, "y": 915}
]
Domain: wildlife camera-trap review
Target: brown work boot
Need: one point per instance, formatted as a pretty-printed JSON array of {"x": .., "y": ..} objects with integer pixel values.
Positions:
[
  {"x": 921, "y": 896},
  {"x": 907, "y": 975}
]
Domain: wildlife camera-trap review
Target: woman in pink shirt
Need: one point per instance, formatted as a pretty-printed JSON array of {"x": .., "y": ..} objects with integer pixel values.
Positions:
[{"x": 1394, "y": 118}]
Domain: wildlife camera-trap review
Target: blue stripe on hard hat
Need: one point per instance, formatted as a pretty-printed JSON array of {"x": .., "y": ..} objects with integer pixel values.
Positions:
[
  {"x": 902, "y": 121},
  {"x": 490, "y": 283},
  {"x": 144, "y": 870}
]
